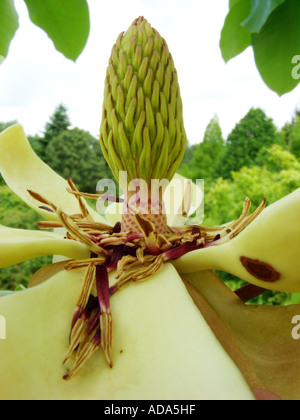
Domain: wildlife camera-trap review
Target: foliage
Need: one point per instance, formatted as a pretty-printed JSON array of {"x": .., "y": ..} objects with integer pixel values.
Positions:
[
  {"x": 38, "y": 145},
  {"x": 199, "y": 161},
  {"x": 77, "y": 154},
  {"x": 224, "y": 200},
  {"x": 208, "y": 152},
  {"x": 272, "y": 28},
  {"x": 16, "y": 214},
  {"x": 59, "y": 121},
  {"x": 66, "y": 23},
  {"x": 9, "y": 23},
  {"x": 253, "y": 132},
  {"x": 276, "y": 159},
  {"x": 185, "y": 165},
  {"x": 294, "y": 145}
]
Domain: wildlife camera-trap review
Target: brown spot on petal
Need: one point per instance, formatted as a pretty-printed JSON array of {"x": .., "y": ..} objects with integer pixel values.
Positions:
[{"x": 260, "y": 270}]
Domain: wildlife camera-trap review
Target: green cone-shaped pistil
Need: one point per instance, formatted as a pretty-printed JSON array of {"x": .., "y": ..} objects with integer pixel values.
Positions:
[{"x": 142, "y": 129}]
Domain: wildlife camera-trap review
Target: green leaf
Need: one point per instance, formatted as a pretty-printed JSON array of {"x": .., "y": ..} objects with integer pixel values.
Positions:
[
  {"x": 260, "y": 12},
  {"x": 276, "y": 46},
  {"x": 67, "y": 23},
  {"x": 234, "y": 37},
  {"x": 9, "y": 23},
  {"x": 20, "y": 288},
  {"x": 232, "y": 3}
]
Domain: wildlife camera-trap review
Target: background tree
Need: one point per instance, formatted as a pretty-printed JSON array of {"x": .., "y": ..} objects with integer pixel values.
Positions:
[
  {"x": 294, "y": 145},
  {"x": 185, "y": 165},
  {"x": 208, "y": 153},
  {"x": 286, "y": 131},
  {"x": 252, "y": 133},
  {"x": 76, "y": 153},
  {"x": 58, "y": 122}
]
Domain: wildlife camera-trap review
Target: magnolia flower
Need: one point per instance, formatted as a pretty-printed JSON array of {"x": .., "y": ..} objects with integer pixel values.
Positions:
[{"x": 133, "y": 310}]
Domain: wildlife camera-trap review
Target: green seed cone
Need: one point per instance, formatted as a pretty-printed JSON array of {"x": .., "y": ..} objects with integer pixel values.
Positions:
[{"x": 142, "y": 129}]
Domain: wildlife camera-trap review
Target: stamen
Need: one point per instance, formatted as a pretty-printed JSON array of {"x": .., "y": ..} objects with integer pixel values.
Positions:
[
  {"x": 136, "y": 256},
  {"x": 106, "y": 324},
  {"x": 84, "y": 211},
  {"x": 85, "y": 353},
  {"x": 80, "y": 235},
  {"x": 46, "y": 208},
  {"x": 147, "y": 228},
  {"x": 83, "y": 263},
  {"x": 184, "y": 209},
  {"x": 77, "y": 335},
  {"x": 103, "y": 197},
  {"x": 49, "y": 225},
  {"x": 87, "y": 285},
  {"x": 42, "y": 200}
]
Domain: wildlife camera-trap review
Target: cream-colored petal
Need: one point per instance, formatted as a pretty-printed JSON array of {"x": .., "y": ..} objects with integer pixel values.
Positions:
[
  {"x": 163, "y": 348},
  {"x": 22, "y": 169},
  {"x": 173, "y": 199},
  {"x": 273, "y": 238},
  {"x": 18, "y": 245}
]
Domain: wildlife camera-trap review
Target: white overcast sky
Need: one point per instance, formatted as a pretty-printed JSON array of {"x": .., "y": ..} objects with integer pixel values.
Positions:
[{"x": 35, "y": 78}]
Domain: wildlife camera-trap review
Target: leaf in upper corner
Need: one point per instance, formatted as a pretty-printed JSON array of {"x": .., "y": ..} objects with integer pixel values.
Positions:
[
  {"x": 234, "y": 37},
  {"x": 67, "y": 23},
  {"x": 277, "y": 44},
  {"x": 260, "y": 12},
  {"x": 9, "y": 23},
  {"x": 232, "y": 3}
]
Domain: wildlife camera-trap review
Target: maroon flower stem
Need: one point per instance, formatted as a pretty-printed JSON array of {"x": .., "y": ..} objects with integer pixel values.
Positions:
[
  {"x": 102, "y": 285},
  {"x": 179, "y": 251}
]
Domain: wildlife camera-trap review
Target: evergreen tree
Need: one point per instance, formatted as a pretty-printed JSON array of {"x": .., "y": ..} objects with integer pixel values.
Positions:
[
  {"x": 185, "y": 166},
  {"x": 59, "y": 121},
  {"x": 77, "y": 154},
  {"x": 249, "y": 136},
  {"x": 286, "y": 131},
  {"x": 208, "y": 153},
  {"x": 294, "y": 145}
]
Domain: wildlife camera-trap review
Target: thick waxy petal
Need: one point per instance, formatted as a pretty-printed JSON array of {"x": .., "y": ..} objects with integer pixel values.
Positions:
[
  {"x": 173, "y": 200},
  {"x": 17, "y": 245},
  {"x": 23, "y": 170},
  {"x": 262, "y": 333},
  {"x": 163, "y": 348},
  {"x": 266, "y": 253}
]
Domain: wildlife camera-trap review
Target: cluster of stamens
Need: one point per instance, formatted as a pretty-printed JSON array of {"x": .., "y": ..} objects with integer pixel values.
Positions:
[{"x": 134, "y": 256}]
